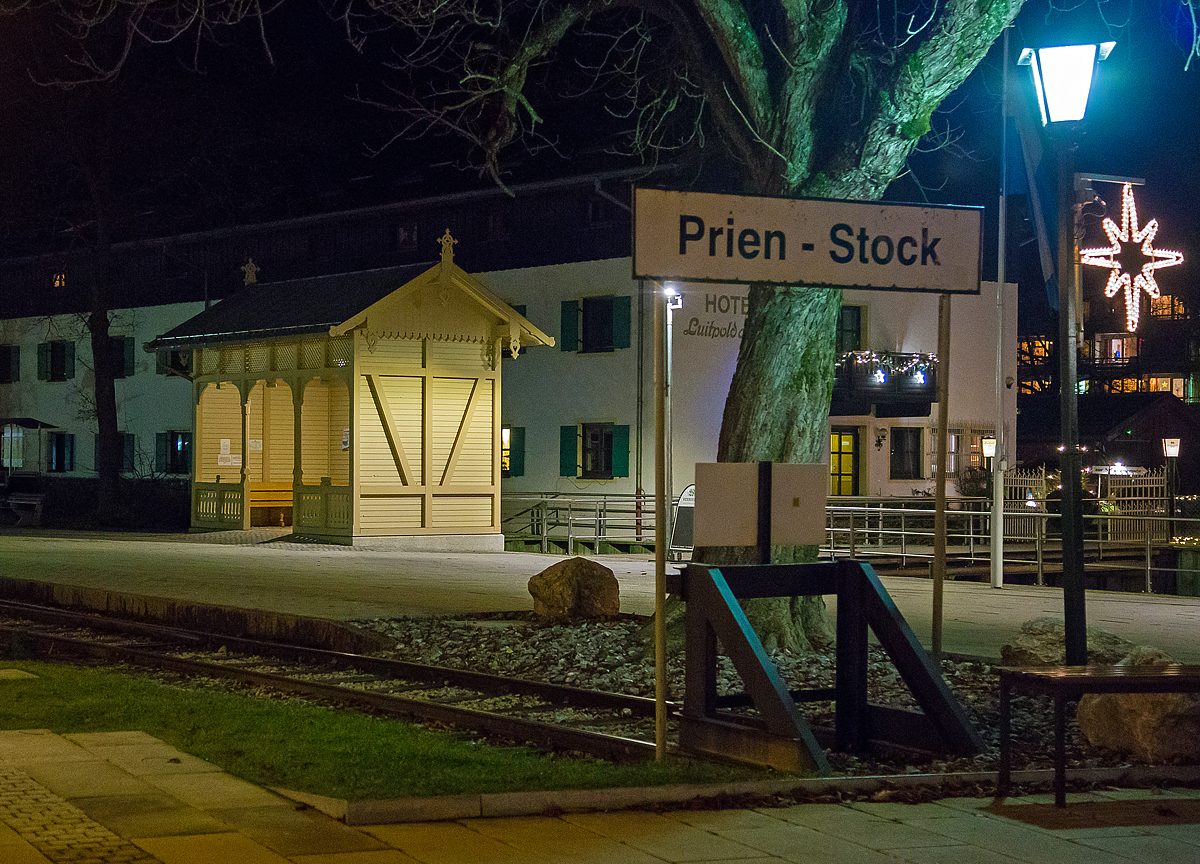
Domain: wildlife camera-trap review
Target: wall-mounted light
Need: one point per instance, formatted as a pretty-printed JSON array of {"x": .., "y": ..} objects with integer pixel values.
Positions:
[{"x": 989, "y": 447}]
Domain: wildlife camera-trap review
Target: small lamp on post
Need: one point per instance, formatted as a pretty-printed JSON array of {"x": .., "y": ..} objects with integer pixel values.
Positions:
[
  {"x": 1062, "y": 79},
  {"x": 996, "y": 468},
  {"x": 1171, "y": 454}
]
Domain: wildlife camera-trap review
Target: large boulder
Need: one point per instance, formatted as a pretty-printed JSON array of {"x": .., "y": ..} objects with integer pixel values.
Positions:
[
  {"x": 573, "y": 590},
  {"x": 1042, "y": 642},
  {"x": 1155, "y": 726}
]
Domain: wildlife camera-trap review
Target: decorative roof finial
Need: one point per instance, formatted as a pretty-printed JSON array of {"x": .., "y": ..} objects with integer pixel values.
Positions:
[
  {"x": 251, "y": 271},
  {"x": 447, "y": 247}
]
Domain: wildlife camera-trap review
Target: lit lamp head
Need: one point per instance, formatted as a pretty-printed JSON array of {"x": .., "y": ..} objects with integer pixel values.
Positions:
[
  {"x": 1170, "y": 447},
  {"x": 989, "y": 447},
  {"x": 673, "y": 295},
  {"x": 1062, "y": 78}
]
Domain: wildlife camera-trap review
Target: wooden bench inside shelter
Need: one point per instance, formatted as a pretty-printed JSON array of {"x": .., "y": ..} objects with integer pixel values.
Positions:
[
  {"x": 270, "y": 504},
  {"x": 24, "y": 495},
  {"x": 1071, "y": 682}
]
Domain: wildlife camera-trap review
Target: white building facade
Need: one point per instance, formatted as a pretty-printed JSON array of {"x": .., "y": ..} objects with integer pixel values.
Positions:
[
  {"x": 578, "y": 417},
  {"x": 581, "y": 415}
]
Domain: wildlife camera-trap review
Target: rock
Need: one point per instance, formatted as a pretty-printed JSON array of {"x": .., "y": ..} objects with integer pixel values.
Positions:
[
  {"x": 1155, "y": 726},
  {"x": 1042, "y": 641},
  {"x": 575, "y": 589}
]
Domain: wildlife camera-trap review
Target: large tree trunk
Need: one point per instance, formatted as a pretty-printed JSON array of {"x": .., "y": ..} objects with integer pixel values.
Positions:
[
  {"x": 109, "y": 451},
  {"x": 777, "y": 410}
]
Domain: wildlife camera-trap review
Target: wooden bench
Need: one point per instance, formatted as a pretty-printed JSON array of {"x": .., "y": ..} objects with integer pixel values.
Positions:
[
  {"x": 24, "y": 495},
  {"x": 268, "y": 496},
  {"x": 1071, "y": 682}
]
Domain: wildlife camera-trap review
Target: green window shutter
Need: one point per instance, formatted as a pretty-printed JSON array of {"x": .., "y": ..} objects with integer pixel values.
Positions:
[
  {"x": 96, "y": 452},
  {"x": 128, "y": 346},
  {"x": 620, "y": 454},
  {"x": 516, "y": 451},
  {"x": 44, "y": 361},
  {"x": 568, "y": 451},
  {"x": 621, "y": 318},
  {"x": 68, "y": 452},
  {"x": 128, "y": 447},
  {"x": 69, "y": 361},
  {"x": 160, "y": 452},
  {"x": 568, "y": 331}
]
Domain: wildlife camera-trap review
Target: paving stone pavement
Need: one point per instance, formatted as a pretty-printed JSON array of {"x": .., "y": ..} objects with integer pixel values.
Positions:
[
  {"x": 57, "y": 829},
  {"x": 128, "y": 798}
]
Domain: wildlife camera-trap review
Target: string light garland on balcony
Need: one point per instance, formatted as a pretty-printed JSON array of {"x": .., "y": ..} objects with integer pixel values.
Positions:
[
  {"x": 893, "y": 364},
  {"x": 1106, "y": 256}
]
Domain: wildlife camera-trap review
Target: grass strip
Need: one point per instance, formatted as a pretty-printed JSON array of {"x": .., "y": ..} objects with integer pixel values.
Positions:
[{"x": 308, "y": 747}]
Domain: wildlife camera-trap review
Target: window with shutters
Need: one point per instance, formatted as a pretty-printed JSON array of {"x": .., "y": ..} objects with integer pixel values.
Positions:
[
  {"x": 907, "y": 456},
  {"x": 849, "y": 329},
  {"x": 594, "y": 451},
  {"x": 10, "y": 364},
  {"x": 128, "y": 452},
  {"x": 122, "y": 355},
  {"x": 12, "y": 447},
  {"x": 56, "y": 360},
  {"x": 61, "y": 455},
  {"x": 595, "y": 325},
  {"x": 173, "y": 452},
  {"x": 512, "y": 451}
]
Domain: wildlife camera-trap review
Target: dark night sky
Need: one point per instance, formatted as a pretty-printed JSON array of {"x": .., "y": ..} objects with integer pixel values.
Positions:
[
  {"x": 1142, "y": 121},
  {"x": 253, "y": 142}
]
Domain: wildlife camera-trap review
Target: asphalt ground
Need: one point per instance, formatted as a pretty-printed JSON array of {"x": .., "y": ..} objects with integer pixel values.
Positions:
[{"x": 267, "y": 569}]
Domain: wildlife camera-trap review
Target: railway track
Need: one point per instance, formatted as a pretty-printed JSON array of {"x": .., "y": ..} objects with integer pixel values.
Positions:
[{"x": 556, "y": 717}]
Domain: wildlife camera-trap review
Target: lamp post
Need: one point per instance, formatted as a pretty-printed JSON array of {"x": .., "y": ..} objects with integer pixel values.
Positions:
[
  {"x": 666, "y": 299},
  {"x": 996, "y": 467},
  {"x": 1062, "y": 78},
  {"x": 1171, "y": 453}
]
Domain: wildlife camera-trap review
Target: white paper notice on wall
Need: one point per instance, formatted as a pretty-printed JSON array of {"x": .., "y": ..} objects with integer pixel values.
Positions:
[
  {"x": 236, "y": 460},
  {"x": 224, "y": 459},
  {"x": 727, "y": 504},
  {"x": 224, "y": 446},
  {"x": 255, "y": 444},
  {"x": 346, "y": 439}
]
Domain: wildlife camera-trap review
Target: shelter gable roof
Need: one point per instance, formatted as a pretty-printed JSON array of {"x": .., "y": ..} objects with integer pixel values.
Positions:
[
  {"x": 335, "y": 305},
  {"x": 415, "y": 305},
  {"x": 295, "y": 307}
]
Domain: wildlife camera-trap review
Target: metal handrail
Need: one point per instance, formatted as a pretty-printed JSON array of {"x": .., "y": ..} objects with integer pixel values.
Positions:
[{"x": 865, "y": 527}]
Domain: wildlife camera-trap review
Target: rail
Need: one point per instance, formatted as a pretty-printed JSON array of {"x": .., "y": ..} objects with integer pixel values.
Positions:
[{"x": 1123, "y": 552}]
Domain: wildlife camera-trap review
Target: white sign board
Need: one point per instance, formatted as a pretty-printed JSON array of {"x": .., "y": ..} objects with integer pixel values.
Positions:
[
  {"x": 705, "y": 237},
  {"x": 727, "y": 504}
]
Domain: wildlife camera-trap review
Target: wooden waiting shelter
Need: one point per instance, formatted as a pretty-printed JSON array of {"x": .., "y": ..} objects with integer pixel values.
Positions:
[{"x": 356, "y": 405}]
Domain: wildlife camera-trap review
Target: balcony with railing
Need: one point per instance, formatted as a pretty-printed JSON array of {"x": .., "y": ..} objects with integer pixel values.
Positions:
[{"x": 897, "y": 384}]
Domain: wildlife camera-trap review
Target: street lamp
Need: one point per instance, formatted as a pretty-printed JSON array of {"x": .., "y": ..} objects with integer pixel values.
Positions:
[
  {"x": 666, "y": 300},
  {"x": 1171, "y": 452},
  {"x": 1062, "y": 79},
  {"x": 989, "y": 448}
]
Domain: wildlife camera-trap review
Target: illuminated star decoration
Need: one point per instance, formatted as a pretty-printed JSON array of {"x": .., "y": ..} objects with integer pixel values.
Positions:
[{"x": 1130, "y": 233}]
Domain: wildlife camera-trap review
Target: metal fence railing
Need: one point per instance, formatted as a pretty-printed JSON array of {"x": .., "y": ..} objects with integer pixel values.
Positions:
[{"x": 900, "y": 529}]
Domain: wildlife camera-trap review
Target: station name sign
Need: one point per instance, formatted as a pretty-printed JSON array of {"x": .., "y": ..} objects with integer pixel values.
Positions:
[{"x": 706, "y": 237}]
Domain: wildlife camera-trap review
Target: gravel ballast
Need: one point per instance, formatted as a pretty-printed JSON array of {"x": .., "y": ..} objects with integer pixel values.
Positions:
[{"x": 614, "y": 656}]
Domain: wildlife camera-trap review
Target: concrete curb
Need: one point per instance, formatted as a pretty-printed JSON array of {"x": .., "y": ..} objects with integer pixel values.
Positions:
[
  {"x": 502, "y": 804},
  {"x": 208, "y": 617}
]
